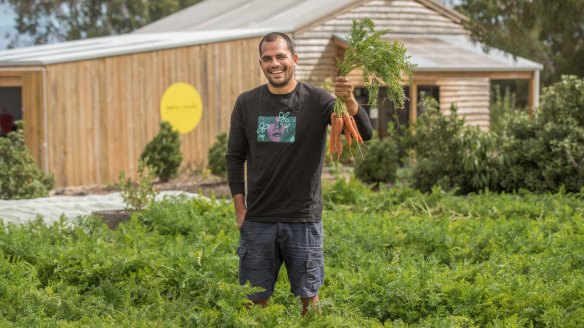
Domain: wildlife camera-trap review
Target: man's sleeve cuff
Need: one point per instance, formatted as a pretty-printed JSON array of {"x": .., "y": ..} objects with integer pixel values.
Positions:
[{"x": 237, "y": 188}]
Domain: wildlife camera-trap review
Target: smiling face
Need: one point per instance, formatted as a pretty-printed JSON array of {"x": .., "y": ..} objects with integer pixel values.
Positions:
[{"x": 278, "y": 64}]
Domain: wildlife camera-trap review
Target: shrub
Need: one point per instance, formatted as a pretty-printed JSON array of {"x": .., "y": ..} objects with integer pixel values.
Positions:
[
  {"x": 437, "y": 145},
  {"x": 503, "y": 106},
  {"x": 522, "y": 150},
  {"x": 560, "y": 125},
  {"x": 452, "y": 155},
  {"x": 217, "y": 156},
  {"x": 163, "y": 153},
  {"x": 547, "y": 153},
  {"x": 139, "y": 194},
  {"x": 380, "y": 162},
  {"x": 20, "y": 176}
]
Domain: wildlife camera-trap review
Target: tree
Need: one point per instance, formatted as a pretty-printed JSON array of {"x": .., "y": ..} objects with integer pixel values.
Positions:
[
  {"x": 46, "y": 21},
  {"x": 548, "y": 32}
]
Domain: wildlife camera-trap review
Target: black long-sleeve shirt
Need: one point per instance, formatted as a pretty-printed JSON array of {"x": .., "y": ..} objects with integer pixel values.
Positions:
[{"x": 282, "y": 138}]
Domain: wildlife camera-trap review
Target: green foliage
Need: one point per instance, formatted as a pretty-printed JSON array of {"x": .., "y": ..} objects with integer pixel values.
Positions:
[
  {"x": 382, "y": 62},
  {"x": 138, "y": 195},
  {"x": 59, "y": 20},
  {"x": 548, "y": 32},
  {"x": 503, "y": 107},
  {"x": 547, "y": 153},
  {"x": 380, "y": 162},
  {"x": 453, "y": 156},
  {"x": 396, "y": 257},
  {"x": 20, "y": 176},
  {"x": 437, "y": 148},
  {"x": 162, "y": 154},
  {"x": 217, "y": 156}
]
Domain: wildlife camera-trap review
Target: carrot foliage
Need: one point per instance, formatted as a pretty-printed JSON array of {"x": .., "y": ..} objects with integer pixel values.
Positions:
[{"x": 382, "y": 62}]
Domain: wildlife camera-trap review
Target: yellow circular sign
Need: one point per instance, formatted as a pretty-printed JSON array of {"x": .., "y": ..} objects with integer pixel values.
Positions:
[{"x": 181, "y": 106}]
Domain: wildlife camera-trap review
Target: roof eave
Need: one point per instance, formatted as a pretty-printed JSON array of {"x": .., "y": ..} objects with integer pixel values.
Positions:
[
  {"x": 477, "y": 69},
  {"x": 454, "y": 15}
]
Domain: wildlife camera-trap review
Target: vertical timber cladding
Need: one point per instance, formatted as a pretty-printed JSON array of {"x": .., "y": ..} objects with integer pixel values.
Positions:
[
  {"x": 32, "y": 102},
  {"x": 33, "y": 115},
  {"x": 103, "y": 112}
]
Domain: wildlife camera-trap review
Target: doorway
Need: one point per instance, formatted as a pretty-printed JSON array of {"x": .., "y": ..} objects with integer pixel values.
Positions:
[{"x": 10, "y": 108}]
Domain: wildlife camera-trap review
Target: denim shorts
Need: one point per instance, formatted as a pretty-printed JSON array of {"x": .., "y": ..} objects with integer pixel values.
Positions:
[{"x": 264, "y": 246}]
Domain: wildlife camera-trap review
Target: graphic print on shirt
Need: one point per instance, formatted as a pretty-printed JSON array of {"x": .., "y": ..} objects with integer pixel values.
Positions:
[{"x": 280, "y": 129}]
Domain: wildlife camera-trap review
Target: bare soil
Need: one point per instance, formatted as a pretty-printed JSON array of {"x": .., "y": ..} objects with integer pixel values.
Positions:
[
  {"x": 187, "y": 181},
  {"x": 206, "y": 185}
]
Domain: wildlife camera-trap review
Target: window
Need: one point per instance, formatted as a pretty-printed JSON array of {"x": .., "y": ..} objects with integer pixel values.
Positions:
[
  {"x": 385, "y": 111},
  {"x": 10, "y": 109}
]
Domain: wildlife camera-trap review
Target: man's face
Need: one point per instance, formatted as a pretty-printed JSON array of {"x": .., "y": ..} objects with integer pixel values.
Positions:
[{"x": 277, "y": 63}]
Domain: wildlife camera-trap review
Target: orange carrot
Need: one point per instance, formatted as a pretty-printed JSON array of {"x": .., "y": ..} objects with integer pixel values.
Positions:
[
  {"x": 331, "y": 139},
  {"x": 347, "y": 134},
  {"x": 335, "y": 133},
  {"x": 354, "y": 124},
  {"x": 337, "y": 128},
  {"x": 347, "y": 121}
]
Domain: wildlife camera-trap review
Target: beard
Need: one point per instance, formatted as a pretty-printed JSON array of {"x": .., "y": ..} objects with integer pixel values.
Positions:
[{"x": 280, "y": 82}]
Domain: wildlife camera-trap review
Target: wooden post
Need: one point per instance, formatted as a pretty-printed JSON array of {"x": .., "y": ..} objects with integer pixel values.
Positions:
[
  {"x": 533, "y": 92},
  {"x": 413, "y": 104}
]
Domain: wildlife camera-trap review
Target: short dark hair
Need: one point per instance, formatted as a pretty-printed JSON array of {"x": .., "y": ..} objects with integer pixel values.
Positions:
[{"x": 273, "y": 36}]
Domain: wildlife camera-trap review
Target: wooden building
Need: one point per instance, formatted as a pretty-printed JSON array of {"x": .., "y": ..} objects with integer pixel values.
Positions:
[
  {"x": 91, "y": 106},
  {"x": 449, "y": 65}
]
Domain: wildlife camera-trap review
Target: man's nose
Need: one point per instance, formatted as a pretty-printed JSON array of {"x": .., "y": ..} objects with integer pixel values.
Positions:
[{"x": 274, "y": 62}]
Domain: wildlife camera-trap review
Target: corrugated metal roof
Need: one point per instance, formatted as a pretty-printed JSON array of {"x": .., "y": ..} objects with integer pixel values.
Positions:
[
  {"x": 456, "y": 53},
  {"x": 281, "y": 15},
  {"x": 116, "y": 45}
]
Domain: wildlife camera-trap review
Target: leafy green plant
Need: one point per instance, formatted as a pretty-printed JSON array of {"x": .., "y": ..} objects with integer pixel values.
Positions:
[
  {"x": 547, "y": 153},
  {"x": 395, "y": 257},
  {"x": 381, "y": 62},
  {"x": 163, "y": 153},
  {"x": 503, "y": 106},
  {"x": 217, "y": 156},
  {"x": 454, "y": 156},
  {"x": 138, "y": 195},
  {"x": 561, "y": 128},
  {"x": 20, "y": 176},
  {"x": 380, "y": 162},
  {"x": 438, "y": 148}
]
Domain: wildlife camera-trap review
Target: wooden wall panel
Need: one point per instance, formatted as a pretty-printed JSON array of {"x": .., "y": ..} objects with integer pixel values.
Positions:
[
  {"x": 32, "y": 114},
  {"x": 471, "y": 96},
  {"x": 8, "y": 79},
  {"x": 102, "y": 112}
]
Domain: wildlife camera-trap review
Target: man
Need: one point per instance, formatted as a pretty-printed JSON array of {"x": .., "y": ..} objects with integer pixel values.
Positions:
[{"x": 280, "y": 130}]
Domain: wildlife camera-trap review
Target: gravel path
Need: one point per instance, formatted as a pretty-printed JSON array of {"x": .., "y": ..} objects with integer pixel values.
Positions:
[{"x": 51, "y": 208}]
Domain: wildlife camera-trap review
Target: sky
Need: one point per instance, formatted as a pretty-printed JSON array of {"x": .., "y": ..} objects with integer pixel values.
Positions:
[
  {"x": 6, "y": 24},
  {"x": 7, "y": 16}
]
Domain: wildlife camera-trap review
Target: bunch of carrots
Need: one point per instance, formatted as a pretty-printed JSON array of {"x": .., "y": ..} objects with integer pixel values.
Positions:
[
  {"x": 345, "y": 124},
  {"x": 382, "y": 62}
]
